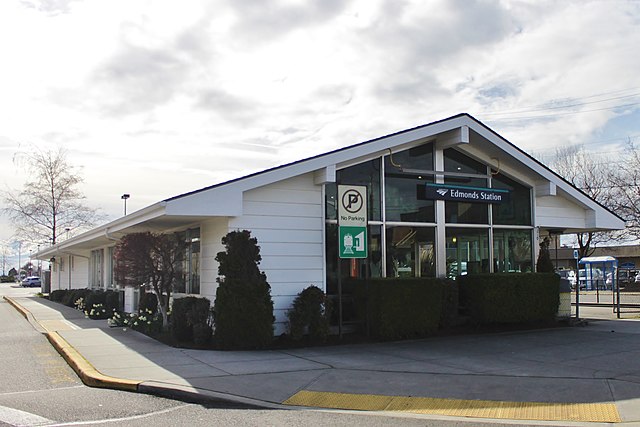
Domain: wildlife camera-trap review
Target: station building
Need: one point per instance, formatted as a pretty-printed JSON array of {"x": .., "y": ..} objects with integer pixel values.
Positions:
[{"x": 444, "y": 199}]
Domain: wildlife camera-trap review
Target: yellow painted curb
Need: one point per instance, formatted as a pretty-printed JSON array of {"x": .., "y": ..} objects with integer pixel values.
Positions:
[
  {"x": 25, "y": 313},
  {"x": 85, "y": 370},
  {"x": 540, "y": 411}
]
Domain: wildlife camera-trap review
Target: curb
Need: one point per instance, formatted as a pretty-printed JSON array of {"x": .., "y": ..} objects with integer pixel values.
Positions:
[
  {"x": 85, "y": 370},
  {"x": 91, "y": 377},
  {"x": 199, "y": 395},
  {"x": 26, "y": 314}
]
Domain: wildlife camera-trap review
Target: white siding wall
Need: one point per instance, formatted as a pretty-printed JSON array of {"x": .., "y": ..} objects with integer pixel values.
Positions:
[
  {"x": 556, "y": 211},
  {"x": 211, "y": 233},
  {"x": 286, "y": 218},
  {"x": 79, "y": 274}
]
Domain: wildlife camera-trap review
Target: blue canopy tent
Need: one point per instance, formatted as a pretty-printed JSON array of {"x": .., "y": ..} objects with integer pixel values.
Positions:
[
  {"x": 600, "y": 273},
  {"x": 597, "y": 271}
]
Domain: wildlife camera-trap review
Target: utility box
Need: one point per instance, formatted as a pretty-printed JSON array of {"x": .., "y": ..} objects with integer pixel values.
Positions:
[
  {"x": 131, "y": 299},
  {"x": 564, "y": 308}
]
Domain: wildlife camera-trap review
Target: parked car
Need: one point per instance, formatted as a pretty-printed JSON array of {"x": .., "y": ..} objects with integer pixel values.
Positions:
[
  {"x": 570, "y": 275},
  {"x": 31, "y": 281}
]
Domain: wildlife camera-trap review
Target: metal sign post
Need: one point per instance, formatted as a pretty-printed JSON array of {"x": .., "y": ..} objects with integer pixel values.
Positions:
[
  {"x": 352, "y": 231},
  {"x": 576, "y": 257}
]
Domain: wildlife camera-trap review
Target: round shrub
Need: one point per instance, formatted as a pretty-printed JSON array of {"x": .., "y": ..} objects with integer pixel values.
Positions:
[{"x": 310, "y": 313}]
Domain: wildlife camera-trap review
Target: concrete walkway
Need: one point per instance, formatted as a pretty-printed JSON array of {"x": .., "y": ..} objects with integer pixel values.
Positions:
[{"x": 562, "y": 376}]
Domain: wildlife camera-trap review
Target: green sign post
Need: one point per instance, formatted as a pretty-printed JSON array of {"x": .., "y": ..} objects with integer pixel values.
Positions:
[
  {"x": 353, "y": 242},
  {"x": 352, "y": 221},
  {"x": 352, "y": 231}
]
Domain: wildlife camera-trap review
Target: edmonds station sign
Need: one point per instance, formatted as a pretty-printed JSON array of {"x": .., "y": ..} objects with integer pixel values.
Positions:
[{"x": 460, "y": 193}]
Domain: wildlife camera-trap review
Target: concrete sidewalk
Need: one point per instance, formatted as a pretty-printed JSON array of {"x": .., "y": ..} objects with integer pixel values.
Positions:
[{"x": 563, "y": 376}]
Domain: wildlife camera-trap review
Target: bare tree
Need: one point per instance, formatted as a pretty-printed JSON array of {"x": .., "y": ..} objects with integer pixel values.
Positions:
[
  {"x": 626, "y": 189},
  {"x": 593, "y": 177},
  {"x": 150, "y": 260},
  {"x": 50, "y": 200}
]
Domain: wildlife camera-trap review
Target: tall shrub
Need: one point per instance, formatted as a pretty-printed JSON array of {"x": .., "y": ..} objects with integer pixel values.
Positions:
[
  {"x": 243, "y": 309},
  {"x": 544, "y": 264}
]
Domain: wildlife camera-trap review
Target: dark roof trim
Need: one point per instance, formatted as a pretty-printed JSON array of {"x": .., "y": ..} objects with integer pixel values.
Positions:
[
  {"x": 317, "y": 156},
  {"x": 388, "y": 136}
]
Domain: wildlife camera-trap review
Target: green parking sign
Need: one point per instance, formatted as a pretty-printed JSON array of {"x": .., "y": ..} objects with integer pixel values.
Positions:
[
  {"x": 353, "y": 242},
  {"x": 352, "y": 221}
]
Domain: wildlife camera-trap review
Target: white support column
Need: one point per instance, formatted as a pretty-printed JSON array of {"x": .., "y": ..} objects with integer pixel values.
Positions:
[{"x": 441, "y": 238}]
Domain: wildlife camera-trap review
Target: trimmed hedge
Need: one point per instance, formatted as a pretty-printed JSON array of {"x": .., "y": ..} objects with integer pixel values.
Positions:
[
  {"x": 401, "y": 308},
  {"x": 510, "y": 297},
  {"x": 110, "y": 300},
  {"x": 190, "y": 320}
]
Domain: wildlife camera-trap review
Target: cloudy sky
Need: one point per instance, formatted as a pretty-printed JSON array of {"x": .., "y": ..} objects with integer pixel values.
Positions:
[{"x": 157, "y": 98}]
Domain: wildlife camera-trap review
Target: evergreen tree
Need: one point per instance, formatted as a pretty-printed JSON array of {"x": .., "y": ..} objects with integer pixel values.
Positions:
[
  {"x": 243, "y": 309},
  {"x": 544, "y": 264}
]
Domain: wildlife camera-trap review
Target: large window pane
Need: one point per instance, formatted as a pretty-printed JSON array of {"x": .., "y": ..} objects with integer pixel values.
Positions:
[
  {"x": 517, "y": 211},
  {"x": 404, "y": 191},
  {"x": 463, "y": 212},
  {"x": 512, "y": 251},
  {"x": 467, "y": 251},
  {"x": 410, "y": 252},
  {"x": 367, "y": 174}
]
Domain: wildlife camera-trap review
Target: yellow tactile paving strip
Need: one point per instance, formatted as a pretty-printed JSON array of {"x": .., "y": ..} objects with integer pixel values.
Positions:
[{"x": 585, "y": 412}]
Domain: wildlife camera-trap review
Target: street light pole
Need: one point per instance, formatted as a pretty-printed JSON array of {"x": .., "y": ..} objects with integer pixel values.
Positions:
[{"x": 125, "y": 197}]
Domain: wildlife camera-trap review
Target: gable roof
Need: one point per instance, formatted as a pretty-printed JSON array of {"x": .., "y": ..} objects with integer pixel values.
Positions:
[{"x": 190, "y": 206}]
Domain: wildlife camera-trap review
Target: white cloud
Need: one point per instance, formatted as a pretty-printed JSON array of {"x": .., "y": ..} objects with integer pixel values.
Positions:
[{"x": 159, "y": 98}]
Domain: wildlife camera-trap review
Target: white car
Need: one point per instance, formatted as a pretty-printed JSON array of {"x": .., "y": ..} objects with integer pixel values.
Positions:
[{"x": 31, "y": 281}]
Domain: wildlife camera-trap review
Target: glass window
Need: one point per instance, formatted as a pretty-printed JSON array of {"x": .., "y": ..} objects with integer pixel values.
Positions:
[
  {"x": 404, "y": 191},
  {"x": 467, "y": 251},
  {"x": 97, "y": 265},
  {"x": 367, "y": 174},
  {"x": 189, "y": 278},
  {"x": 194, "y": 261},
  {"x": 352, "y": 268},
  {"x": 455, "y": 161},
  {"x": 463, "y": 212},
  {"x": 512, "y": 251},
  {"x": 517, "y": 211},
  {"x": 411, "y": 252}
]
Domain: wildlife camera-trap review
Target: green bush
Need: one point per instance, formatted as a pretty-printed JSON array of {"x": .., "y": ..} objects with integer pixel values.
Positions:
[
  {"x": 112, "y": 301},
  {"x": 450, "y": 303},
  {"x": 243, "y": 309},
  {"x": 57, "y": 295},
  {"x": 148, "y": 302},
  {"x": 72, "y": 295},
  {"x": 7, "y": 279},
  {"x": 510, "y": 297},
  {"x": 189, "y": 315},
  {"x": 310, "y": 313},
  {"x": 400, "y": 308},
  {"x": 101, "y": 304}
]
